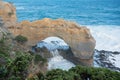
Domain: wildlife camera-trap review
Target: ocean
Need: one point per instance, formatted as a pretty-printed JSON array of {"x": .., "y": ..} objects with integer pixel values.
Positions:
[{"x": 102, "y": 17}]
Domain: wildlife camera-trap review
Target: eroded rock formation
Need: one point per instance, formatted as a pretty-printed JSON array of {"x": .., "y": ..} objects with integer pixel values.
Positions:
[
  {"x": 7, "y": 17},
  {"x": 7, "y": 14},
  {"x": 79, "y": 38}
]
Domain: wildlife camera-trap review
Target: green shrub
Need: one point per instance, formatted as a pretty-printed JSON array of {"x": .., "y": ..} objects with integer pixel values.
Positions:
[
  {"x": 21, "y": 39},
  {"x": 34, "y": 78},
  {"x": 3, "y": 72},
  {"x": 95, "y": 73},
  {"x": 14, "y": 78},
  {"x": 40, "y": 76},
  {"x": 18, "y": 67},
  {"x": 59, "y": 74},
  {"x": 4, "y": 51},
  {"x": 38, "y": 58}
]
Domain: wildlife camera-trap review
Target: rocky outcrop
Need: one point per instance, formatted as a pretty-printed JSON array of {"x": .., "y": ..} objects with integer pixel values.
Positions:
[
  {"x": 8, "y": 14},
  {"x": 7, "y": 17},
  {"x": 78, "y": 37}
]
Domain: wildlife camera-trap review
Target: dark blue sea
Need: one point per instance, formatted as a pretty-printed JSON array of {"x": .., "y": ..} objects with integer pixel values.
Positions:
[{"x": 101, "y": 16}]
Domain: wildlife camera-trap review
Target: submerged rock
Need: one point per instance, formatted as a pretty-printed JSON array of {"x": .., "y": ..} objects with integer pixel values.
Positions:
[{"x": 107, "y": 59}]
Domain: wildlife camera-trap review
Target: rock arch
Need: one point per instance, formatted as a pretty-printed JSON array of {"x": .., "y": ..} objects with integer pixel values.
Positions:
[{"x": 78, "y": 37}]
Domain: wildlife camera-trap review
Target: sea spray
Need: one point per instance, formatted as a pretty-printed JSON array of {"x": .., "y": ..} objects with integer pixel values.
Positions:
[{"x": 107, "y": 37}]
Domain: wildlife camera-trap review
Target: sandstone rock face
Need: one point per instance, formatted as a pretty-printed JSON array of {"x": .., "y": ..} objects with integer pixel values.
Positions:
[
  {"x": 8, "y": 14},
  {"x": 79, "y": 38}
]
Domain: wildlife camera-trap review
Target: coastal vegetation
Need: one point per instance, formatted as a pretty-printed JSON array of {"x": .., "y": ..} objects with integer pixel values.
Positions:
[
  {"x": 21, "y": 39},
  {"x": 17, "y": 68},
  {"x": 14, "y": 64},
  {"x": 79, "y": 73}
]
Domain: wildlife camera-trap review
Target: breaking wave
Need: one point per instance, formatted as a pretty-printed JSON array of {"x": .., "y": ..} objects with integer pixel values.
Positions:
[{"x": 107, "y": 37}]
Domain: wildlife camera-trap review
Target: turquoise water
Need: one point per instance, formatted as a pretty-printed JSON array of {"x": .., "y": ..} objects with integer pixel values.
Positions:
[
  {"x": 101, "y": 16},
  {"x": 86, "y": 12}
]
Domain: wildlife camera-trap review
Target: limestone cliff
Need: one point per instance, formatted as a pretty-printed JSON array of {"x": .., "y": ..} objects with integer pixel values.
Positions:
[
  {"x": 7, "y": 14},
  {"x": 78, "y": 37}
]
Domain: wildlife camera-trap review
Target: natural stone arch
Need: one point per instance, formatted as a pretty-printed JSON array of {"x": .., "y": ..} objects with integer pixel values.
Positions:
[{"x": 79, "y": 38}]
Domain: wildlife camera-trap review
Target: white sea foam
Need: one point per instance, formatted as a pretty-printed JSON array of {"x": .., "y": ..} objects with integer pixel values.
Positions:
[
  {"x": 53, "y": 43},
  {"x": 107, "y": 37},
  {"x": 57, "y": 61},
  {"x": 115, "y": 60}
]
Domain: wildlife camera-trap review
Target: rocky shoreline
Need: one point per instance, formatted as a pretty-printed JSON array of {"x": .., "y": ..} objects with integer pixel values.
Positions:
[{"x": 106, "y": 59}]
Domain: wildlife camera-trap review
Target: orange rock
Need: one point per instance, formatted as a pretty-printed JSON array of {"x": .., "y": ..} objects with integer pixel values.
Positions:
[{"x": 8, "y": 13}]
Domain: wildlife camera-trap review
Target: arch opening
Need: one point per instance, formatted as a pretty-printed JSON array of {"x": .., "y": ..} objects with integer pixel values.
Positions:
[{"x": 53, "y": 45}]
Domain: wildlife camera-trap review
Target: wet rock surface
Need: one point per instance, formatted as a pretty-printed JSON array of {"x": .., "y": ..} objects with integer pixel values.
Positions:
[{"x": 106, "y": 59}]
